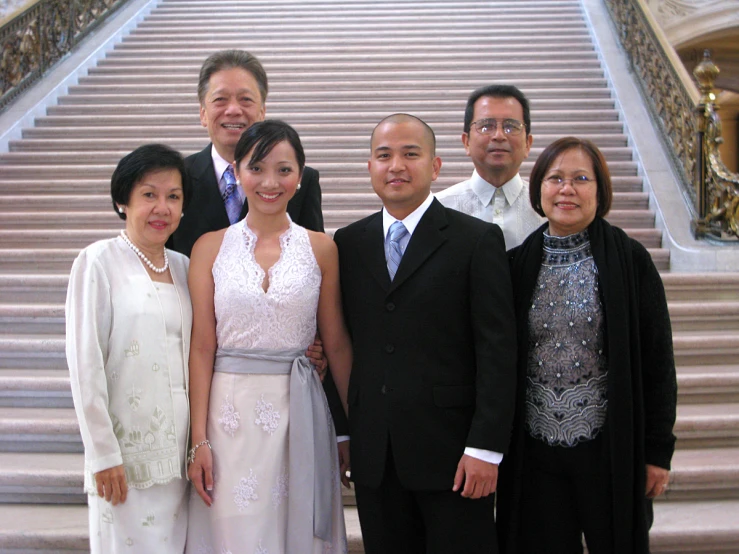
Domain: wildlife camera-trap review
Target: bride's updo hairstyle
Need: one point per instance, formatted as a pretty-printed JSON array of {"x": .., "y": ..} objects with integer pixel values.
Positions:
[{"x": 261, "y": 138}]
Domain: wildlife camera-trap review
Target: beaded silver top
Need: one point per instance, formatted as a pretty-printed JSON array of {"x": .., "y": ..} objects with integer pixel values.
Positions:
[{"x": 566, "y": 376}]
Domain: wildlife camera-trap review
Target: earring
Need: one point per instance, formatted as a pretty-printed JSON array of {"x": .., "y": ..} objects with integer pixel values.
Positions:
[
  {"x": 298, "y": 187},
  {"x": 120, "y": 209},
  {"x": 238, "y": 183},
  {"x": 182, "y": 214}
]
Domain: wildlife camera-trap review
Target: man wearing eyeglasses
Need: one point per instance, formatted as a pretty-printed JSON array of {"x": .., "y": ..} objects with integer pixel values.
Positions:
[{"x": 497, "y": 136}]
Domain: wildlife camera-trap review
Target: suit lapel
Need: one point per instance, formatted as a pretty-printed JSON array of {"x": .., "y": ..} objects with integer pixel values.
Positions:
[
  {"x": 426, "y": 239},
  {"x": 204, "y": 179},
  {"x": 373, "y": 249}
]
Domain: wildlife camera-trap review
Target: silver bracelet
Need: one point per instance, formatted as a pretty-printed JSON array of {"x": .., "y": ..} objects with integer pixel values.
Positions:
[{"x": 194, "y": 449}]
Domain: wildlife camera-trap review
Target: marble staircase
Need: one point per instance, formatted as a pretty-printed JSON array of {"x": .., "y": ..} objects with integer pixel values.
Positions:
[{"x": 335, "y": 68}]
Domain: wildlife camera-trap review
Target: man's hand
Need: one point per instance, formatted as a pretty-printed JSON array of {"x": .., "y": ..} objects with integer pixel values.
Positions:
[
  {"x": 317, "y": 358},
  {"x": 657, "y": 480},
  {"x": 344, "y": 462},
  {"x": 111, "y": 485},
  {"x": 480, "y": 478}
]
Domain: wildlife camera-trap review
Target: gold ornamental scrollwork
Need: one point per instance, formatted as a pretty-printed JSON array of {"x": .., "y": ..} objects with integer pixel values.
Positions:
[
  {"x": 668, "y": 100},
  {"x": 718, "y": 216},
  {"x": 39, "y": 36}
]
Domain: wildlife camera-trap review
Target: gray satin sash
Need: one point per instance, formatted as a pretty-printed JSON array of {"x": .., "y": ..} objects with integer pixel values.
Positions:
[{"x": 311, "y": 440}]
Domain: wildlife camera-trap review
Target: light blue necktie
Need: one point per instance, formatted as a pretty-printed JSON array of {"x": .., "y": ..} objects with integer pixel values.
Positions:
[
  {"x": 394, "y": 253},
  {"x": 231, "y": 197}
]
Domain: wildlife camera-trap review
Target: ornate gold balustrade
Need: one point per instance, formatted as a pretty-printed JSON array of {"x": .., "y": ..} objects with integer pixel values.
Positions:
[
  {"x": 41, "y": 35},
  {"x": 686, "y": 119}
]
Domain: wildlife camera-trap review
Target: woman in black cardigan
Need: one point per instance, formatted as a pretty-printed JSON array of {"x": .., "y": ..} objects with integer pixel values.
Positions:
[{"x": 597, "y": 389}]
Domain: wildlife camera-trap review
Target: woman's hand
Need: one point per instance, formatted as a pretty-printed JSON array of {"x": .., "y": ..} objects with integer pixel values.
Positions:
[
  {"x": 111, "y": 484},
  {"x": 657, "y": 480},
  {"x": 200, "y": 472}
]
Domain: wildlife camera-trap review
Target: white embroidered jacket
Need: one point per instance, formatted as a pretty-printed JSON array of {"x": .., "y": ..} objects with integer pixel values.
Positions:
[{"x": 118, "y": 363}]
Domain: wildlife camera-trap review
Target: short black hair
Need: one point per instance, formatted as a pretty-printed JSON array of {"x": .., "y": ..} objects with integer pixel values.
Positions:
[
  {"x": 132, "y": 168},
  {"x": 262, "y": 137},
  {"x": 403, "y": 117},
  {"x": 552, "y": 152},
  {"x": 497, "y": 91}
]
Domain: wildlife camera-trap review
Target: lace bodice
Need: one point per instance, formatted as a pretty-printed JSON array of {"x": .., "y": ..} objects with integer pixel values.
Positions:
[{"x": 282, "y": 318}]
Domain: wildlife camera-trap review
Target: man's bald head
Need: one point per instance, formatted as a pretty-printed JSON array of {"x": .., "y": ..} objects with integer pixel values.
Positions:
[{"x": 428, "y": 132}]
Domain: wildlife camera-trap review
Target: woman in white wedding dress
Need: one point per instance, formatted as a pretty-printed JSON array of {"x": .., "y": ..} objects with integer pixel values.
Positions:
[{"x": 264, "y": 462}]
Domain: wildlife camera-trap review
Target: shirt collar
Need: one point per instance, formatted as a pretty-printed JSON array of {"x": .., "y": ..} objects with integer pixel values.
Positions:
[
  {"x": 411, "y": 220},
  {"x": 219, "y": 164},
  {"x": 485, "y": 191}
]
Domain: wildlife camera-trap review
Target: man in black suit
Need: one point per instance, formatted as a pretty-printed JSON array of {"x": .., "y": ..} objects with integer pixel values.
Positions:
[
  {"x": 430, "y": 311},
  {"x": 232, "y": 91}
]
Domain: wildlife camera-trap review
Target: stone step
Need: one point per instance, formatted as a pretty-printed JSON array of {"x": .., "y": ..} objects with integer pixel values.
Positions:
[
  {"x": 701, "y": 426},
  {"x": 181, "y": 115},
  {"x": 74, "y": 128},
  {"x": 35, "y": 388},
  {"x": 329, "y": 184},
  {"x": 445, "y": 82},
  {"x": 541, "y": 110},
  {"x": 706, "y": 384},
  {"x": 64, "y": 529},
  {"x": 75, "y": 203},
  {"x": 716, "y": 347},
  {"x": 310, "y": 142},
  {"x": 273, "y": 58},
  {"x": 341, "y": 63},
  {"x": 704, "y": 474},
  {"x": 702, "y": 316},
  {"x": 701, "y": 286},
  {"x": 32, "y": 287},
  {"x": 707, "y": 527},
  {"x": 334, "y": 169},
  {"x": 21, "y": 351},
  {"x": 33, "y": 477},
  {"x": 39, "y": 430},
  {"x": 327, "y": 155},
  {"x": 283, "y": 94}
]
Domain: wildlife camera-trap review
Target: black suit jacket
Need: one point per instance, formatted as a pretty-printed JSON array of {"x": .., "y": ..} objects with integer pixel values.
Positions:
[
  {"x": 207, "y": 212},
  {"x": 434, "y": 351}
]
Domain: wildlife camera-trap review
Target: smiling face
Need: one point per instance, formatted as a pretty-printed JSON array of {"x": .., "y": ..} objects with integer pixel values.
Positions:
[
  {"x": 154, "y": 208},
  {"x": 269, "y": 183},
  {"x": 230, "y": 106},
  {"x": 402, "y": 165},
  {"x": 497, "y": 157},
  {"x": 572, "y": 206}
]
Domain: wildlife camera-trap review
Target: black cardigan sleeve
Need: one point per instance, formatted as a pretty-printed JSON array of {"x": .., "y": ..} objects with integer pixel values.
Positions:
[{"x": 658, "y": 362}]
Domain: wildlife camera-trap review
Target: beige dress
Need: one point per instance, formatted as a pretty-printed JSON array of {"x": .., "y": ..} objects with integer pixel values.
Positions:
[
  {"x": 153, "y": 519},
  {"x": 248, "y": 415}
]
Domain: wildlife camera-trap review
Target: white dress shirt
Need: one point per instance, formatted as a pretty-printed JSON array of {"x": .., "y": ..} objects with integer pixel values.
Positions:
[
  {"x": 507, "y": 206},
  {"x": 410, "y": 223},
  {"x": 220, "y": 165}
]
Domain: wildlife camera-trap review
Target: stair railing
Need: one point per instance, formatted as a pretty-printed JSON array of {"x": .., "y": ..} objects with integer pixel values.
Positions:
[
  {"x": 686, "y": 118},
  {"x": 41, "y": 35}
]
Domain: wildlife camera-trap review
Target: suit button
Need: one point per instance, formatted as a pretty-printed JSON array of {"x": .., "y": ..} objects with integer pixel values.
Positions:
[
  {"x": 390, "y": 306},
  {"x": 383, "y": 390},
  {"x": 389, "y": 348}
]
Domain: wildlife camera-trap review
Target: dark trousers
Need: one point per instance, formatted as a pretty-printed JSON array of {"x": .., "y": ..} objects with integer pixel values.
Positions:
[
  {"x": 395, "y": 520},
  {"x": 566, "y": 492}
]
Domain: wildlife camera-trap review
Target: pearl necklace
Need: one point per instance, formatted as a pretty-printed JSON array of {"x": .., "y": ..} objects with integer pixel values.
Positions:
[{"x": 141, "y": 255}]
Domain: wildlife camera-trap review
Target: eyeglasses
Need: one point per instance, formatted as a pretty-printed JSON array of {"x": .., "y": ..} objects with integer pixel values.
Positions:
[
  {"x": 555, "y": 181},
  {"x": 489, "y": 126}
]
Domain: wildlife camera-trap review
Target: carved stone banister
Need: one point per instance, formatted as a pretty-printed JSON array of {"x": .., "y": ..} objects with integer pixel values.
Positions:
[{"x": 41, "y": 35}]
